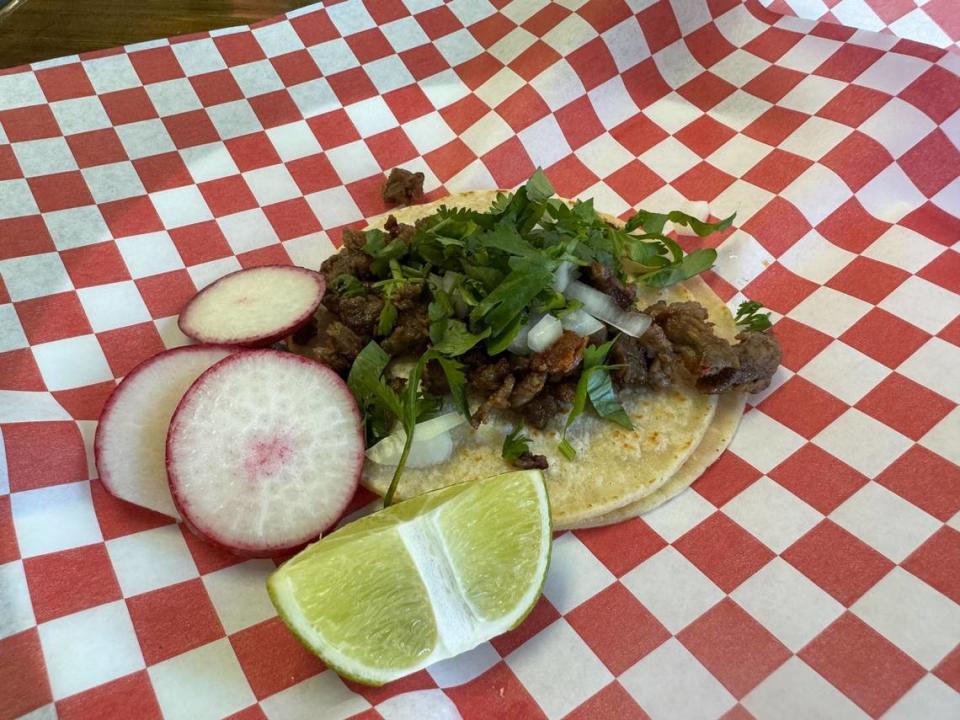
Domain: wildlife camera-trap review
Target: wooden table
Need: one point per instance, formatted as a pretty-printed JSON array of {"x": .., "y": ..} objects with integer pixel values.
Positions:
[{"x": 32, "y": 30}]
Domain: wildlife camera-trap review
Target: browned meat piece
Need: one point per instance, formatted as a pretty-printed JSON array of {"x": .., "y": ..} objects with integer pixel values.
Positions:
[
  {"x": 434, "y": 380},
  {"x": 563, "y": 391},
  {"x": 599, "y": 337},
  {"x": 527, "y": 388},
  {"x": 605, "y": 280},
  {"x": 499, "y": 399},
  {"x": 360, "y": 313},
  {"x": 306, "y": 332},
  {"x": 403, "y": 187},
  {"x": 715, "y": 365},
  {"x": 338, "y": 347},
  {"x": 410, "y": 335},
  {"x": 758, "y": 354},
  {"x": 408, "y": 295},
  {"x": 539, "y": 411},
  {"x": 397, "y": 384},
  {"x": 562, "y": 357},
  {"x": 487, "y": 377},
  {"x": 529, "y": 461},
  {"x": 353, "y": 239},
  {"x": 399, "y": 230},
  {"x": 348, "y": 261},
  {"x": 649, "y": 360},
  {"x": 691, "y": 334},
  {"x": 519, "y": 363},
  {"x": 663, "y": 365}
]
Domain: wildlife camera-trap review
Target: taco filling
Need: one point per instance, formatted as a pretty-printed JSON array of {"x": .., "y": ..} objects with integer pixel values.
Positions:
[{"x": 535, "y": 320}]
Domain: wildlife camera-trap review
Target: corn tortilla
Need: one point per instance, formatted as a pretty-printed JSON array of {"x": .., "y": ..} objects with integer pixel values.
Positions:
[{"x": 614, "y": 469}]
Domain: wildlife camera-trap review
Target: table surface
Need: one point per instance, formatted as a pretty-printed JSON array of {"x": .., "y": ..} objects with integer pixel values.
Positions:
[{"x": 32, "y": 30}]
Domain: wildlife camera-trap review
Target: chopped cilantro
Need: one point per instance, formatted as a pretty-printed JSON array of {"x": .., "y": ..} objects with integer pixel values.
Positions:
[
  {"x": 515, "y": 444},
  {"x": 750, "y": 318}
]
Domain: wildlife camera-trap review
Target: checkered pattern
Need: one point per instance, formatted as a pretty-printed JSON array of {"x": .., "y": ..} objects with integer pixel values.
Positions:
[
  {"x": 812, "y": 572},
  {"x": 931, "y": 22}
]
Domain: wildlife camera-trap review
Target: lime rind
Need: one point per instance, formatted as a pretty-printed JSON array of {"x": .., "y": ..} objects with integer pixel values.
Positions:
[{"x": 458, "y": 625}]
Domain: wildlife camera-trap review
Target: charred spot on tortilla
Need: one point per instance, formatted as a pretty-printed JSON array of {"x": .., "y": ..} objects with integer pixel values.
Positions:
[
  {"x": 472, "y": 292},
  {"x": 402, "y": 187}
]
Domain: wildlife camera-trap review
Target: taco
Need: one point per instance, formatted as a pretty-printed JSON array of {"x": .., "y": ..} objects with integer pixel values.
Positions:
[{"x": 491, "y": 330}]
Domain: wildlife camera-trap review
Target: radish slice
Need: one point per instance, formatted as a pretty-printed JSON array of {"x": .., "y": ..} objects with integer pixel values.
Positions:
[
  {"x": 544, "y": 334},
  {"x": 264, "y": 452},
  {"x": 129, "y": 444},
  {"x": 602, "y": 307},
  {"x": 253, "y": 307},
  {"x": 581, "y": 322}
]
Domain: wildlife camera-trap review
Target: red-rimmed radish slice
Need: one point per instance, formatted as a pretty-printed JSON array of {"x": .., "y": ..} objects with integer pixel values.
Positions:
[
  {"x": 253, "y": 307},
  {"x": 129, "y": 447},
  {"x": 264, "y": 452}
]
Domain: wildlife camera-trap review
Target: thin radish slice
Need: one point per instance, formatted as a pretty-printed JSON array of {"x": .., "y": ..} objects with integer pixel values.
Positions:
[
  {"x": 253, "y": 307},
  {"x": 129, "y": 444},
  {"x": 264, "y": 452}
]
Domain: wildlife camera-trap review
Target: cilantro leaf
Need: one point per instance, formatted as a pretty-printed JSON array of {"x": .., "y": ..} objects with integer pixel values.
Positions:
[
  {"x": 378, "y": 402},
  {"x": 388, "y": 318},
  {"x": 515, "y": 444},
  {"x": 505, "y": 237},
  {"x": 457, "y": 381},
  {"x": 506, "y": 302},
  {"x": 654, "y": 223},
  {"x": 538, "y": 187},
  {"x": 595, "y": 376},
  {"x": 750, "y": 318},
  {"x": 692, "y": 264},
  {"x": 408, "y": 419},
  {"x": 348, "y": 286},
  {"x": 603, "y": 398},
  {"x": 455, "y": 339}
]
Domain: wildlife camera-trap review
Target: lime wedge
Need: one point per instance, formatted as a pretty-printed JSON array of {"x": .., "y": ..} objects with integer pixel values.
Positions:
[{"x": 422, "y": 580}]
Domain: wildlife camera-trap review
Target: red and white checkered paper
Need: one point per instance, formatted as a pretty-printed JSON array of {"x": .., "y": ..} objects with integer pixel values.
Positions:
[{"x": 814, "y": 571}]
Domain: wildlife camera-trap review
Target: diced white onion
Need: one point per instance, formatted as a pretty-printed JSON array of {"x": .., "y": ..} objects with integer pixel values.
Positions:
[
  {"x": 700, "y": 209},
  {"x": 432, "y": 443},
  {"x": 602, "y": 307},
  {"x": 564, "y": 274},
  {"x": 581, "y": 322},
  {"x": 518, "y": 346},
  {"x": 544, "y": 334}
]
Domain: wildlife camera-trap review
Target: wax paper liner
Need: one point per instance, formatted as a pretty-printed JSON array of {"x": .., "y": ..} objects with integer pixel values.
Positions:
[{"x": 811, "y": 573}]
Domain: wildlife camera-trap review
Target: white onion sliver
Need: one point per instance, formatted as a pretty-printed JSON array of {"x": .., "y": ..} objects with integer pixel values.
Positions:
[
  {"x": 518, "y": 346},
  {"x": 388, "y": 450},
  {"x": 581, "y": 322},
  {"x": 564, "y": 274},
  {"x": 602, "y": 307},
  {"x": 424, "y": 453},
  {"x": 435, "y": 426},
  {"x": 544, "y": 334}
]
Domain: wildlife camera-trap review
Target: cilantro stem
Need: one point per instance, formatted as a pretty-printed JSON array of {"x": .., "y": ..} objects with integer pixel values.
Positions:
[
  {"x": 388, "y": 498},
  {"x": 408, "y": 418}
]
